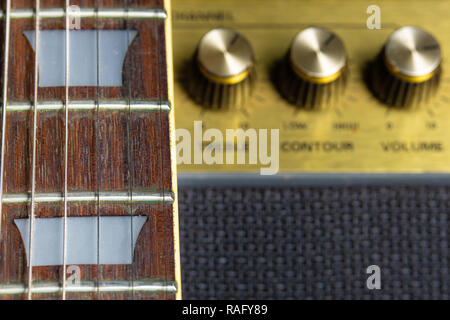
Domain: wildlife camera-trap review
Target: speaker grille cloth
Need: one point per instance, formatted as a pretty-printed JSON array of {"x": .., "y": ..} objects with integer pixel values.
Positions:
[{"x": 314, "y": 242}]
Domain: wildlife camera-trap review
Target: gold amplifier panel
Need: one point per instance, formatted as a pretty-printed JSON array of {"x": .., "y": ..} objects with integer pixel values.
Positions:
[{"x": 360, "y": 134}]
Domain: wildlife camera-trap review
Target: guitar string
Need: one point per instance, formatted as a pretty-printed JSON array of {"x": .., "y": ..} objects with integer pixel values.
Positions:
[
  {"x": 130, "y": 157},
  {"x": 33, "y": 168},
  {"x": 4, "y": 107},
  {"x": 162, "y": 187},
  {"x": 97, "y": 141},
  {"x": 66, "y": 145}
]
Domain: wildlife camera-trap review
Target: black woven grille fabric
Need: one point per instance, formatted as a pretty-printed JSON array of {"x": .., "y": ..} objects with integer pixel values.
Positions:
[{"x": 314, "y": 242}]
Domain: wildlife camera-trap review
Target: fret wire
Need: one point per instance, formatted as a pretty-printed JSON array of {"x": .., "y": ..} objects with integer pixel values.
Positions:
[
  {"x": 4, "y": 107},
  {"x": 33, "y": 169},
  {"x": 90, "y": 286},
  {"x": 109, "y": 197},
  {"x": 66, "y": 144},
  {"x": 151, "y": 106},
  {"x": 105, "y": 13}
]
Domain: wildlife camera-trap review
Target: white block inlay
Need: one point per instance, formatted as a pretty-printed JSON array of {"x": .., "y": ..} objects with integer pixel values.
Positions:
[
  {"x": 118, "y": 236},
  {"x": 83, "y": 58}
]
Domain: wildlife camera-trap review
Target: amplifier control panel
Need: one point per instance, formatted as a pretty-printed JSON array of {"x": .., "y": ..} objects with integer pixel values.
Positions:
[{"x": 322, "y": 86}]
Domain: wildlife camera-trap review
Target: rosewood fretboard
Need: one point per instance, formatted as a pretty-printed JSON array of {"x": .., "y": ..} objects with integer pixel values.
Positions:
[{"x": 119, "y": 155}]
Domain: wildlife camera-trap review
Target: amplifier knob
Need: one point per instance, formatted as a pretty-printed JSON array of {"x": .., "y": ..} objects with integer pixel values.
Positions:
[
  {"x": 314, "y": 71},
  {"x": 223, "y": 72},
  {"x": 407, "y": 70}
]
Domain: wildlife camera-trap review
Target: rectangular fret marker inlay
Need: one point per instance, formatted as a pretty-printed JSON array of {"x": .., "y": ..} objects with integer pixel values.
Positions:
[
  {"x": 84, "y": 60},
  {"x": 112, "y": 242}
]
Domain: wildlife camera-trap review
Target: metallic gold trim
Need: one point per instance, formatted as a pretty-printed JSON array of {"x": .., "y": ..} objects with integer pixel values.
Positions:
[
  {"x": 412, "y": 79},
  {"x": 227, "y": 81},
  {"x": 322, "y": 80}
]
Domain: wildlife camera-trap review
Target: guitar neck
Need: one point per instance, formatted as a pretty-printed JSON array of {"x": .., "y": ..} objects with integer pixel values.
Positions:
[{"x": 88, "y": 179}]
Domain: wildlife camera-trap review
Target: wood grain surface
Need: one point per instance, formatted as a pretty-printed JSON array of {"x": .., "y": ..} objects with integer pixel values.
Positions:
[{"x": 107, "y": 151}]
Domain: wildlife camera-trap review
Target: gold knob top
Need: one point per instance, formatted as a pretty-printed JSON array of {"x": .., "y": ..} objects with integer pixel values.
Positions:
[
  {"x": 412, "y": 54},
  {"x": 318, "y": 55},
  {"x": 225, "y": 56}
]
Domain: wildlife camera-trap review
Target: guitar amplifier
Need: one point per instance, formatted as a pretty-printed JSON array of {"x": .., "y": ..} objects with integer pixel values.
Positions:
[{"x": 313, "y": 148}]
